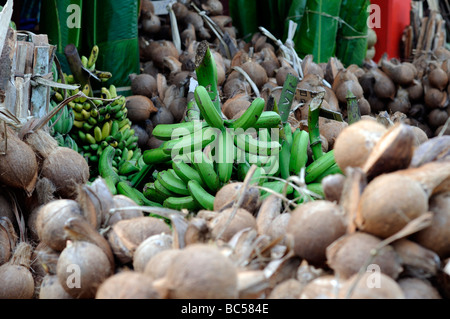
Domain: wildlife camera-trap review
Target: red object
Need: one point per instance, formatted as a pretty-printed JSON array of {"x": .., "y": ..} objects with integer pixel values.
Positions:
[{"x": 393, "y": 16}]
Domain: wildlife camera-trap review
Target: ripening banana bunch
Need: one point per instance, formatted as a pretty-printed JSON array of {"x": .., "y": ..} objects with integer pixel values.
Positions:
[
  {"x": 197, "y": 158},
  {"x": 60, "y": 126}
]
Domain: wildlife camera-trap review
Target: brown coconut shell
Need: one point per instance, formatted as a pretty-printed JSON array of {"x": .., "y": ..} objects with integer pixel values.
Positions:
[
  {"x": 157, "y": 266},
  {"x": 355, "y": 142},
  {"x": 126, "y": 235},
  {"x": 150, "y": 247},
  {"x": 143, "y": 84},
  {"x": 51, "y": 289},
  {"x": 50, "y": 221},
  {"x": 224, "y": 226},
  {"x": 66, "y": 169},
  {"x": 288, "y": 289},
  {"x": 199, "y": 271},
  {"x": 313, "y": 226},
  {"x": 392, "y": 152},
  {"x": 415, "y": 288},
  {"x": 364, "y": 287},
  {"x": 417, "y": 261},
  {"x": 349, "y": 253},
  {"x": 384, "y": 218},
  {"x": 139, "y": 108},
  {"x": 91, "y": 264},
  {"x": 127, "y": 285},
  {"x": 436, "y": 237},
  {"x": 229, "y": 193},
  {"x": 15, "y": 276},
  {"x": 18, "y": 165}
]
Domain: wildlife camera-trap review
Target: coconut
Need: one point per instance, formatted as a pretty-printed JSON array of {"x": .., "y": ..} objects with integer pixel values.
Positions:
[
  {"x": 18, "y": 164},
  {"x": 415, "y": 288},
  {"x": 150, "y": 247},
  {"x": 15, "y": 276},
  {"x": 89, "y": 263},
  {"x": 143, "y": 84},
  {"x": 199, "y": 271},
  {"x": 349, "y": 253},
  {"x": 371, "y": 285},
  {"x": 127, "y": 285},
  {"x": 126, "y": 235},
  {"x": 355, "y": 142},
  {"x": 50, "y": 288},
  {"x": 139, "y": 108},
  {"x": 436, "y": 237},
  {"x": 226, "y": 225},
  {"x": 229, "y": 193},
  {"x": 288, "y": 289},
  {"x": 322, "y": 287},
  {"x": 313, "y": 226},
  {"x": 158, "y": 264},
  {"x": 66, "y": 169},
  {"x": 382, "y": 217},
  {"x": 50, "y": 221}
]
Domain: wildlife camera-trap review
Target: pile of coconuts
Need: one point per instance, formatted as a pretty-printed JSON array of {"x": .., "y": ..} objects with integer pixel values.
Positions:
[
  {"x": 414, "y": 93},
  {"x": 61, "y": 238}
]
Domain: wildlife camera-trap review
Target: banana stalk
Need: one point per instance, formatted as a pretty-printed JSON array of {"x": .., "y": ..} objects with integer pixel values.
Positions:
[
  {"x": 353, "y": 112},
  {"x": 206, "y": 71},
  {"x": 313, "y": 125}
]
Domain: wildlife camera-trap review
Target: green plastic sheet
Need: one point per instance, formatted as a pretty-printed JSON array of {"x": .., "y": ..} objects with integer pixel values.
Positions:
[
  {"x": 245, "y": 19},
  {"x": 55, "y": 19},
  {"x": 114, "y": 28},
  {"x": 352, "y": 35},
  {"x": 110, "y": 24},
  {"x": 318, "y": 30},
  {"x": 295, "y": 13}
]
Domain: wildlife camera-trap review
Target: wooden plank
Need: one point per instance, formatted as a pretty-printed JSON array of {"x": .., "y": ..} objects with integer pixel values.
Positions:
[
  {"x": 6, "y": 63},
  {"x": 40, "y": 95},
  {"x": 24, "y": 58},
  {"x": 22, "y": 86}
]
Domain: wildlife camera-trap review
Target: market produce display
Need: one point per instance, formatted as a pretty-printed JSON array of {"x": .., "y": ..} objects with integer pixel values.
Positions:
[{"x": 234, "y": 170}]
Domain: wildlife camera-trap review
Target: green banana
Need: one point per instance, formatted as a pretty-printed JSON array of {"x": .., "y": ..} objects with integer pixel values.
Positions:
[
  {"x": 268, "y": 119},
  {"x": 299, "y": 151},
  {"x": 172, "y": 182},
  {"x": 205, "y": 168},
  {"x": 106, "y": 129},
  {"x": 316, "y": 188},
  {"x": 98, "y": 134},
  {"x": 92, "y": 57},
  {"x": 162, "y": 191},
  {"x": 319, "y": 166},
  {"x": 190, "y": 143},
  {"x": 70, "y": 143},
  {"x": 165, "y": 132},
  {"x": 150, "y": 193},
  {"x": 155, "y": 156},
  {"x": 106, "y": 171},
  {"x": 285, "y": 158},
  {"x": 250, "y": 116},
  {"x": 224, "y": 155},
  {"x": 205, "y": 199},
  {"x": 179, "y": 203},
  {"x": 334, "y": 169},
  {"x": 207, "y": 108},
  {"x": 127, "y": 168},
  {"x": 186, "y": 172},
  {"x": 254, "y": 146},
  {"x": 59, "y": 138}
]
